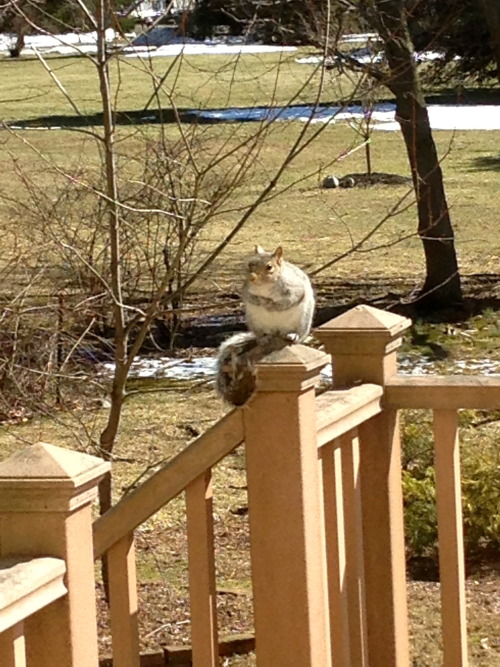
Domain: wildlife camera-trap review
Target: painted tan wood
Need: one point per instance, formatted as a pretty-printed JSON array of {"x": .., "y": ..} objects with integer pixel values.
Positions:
[
  {"x": 445, "y": 392},
  {"x": 331, "y": 469},
  {"x": 123, "y": 603},
  {"x": 383, "y": 536},
  {"x": 27, "y": 585},
  {"x": 451, "y": 544},
  {"x": 44, "y": 478},
  {"x": 12, "y": 647},
  {"x": 168, "y": 482},
  {"x": 363, "y": 344},
  {"x": 201, "y": 560},
  {"x": 45, "y": 508},
  {"x": 355, "y": 575},
  {"x": 340, "y": 411},
  {"x": 286, "y": 518}
]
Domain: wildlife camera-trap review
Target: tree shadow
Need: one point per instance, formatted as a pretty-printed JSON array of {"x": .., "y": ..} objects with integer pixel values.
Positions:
[
  {"x": 192, "y": 115},
  {"x": 464, "y": 96},
  {"x": 486, "y": 163},
  {"x": 132, "y": 117}
]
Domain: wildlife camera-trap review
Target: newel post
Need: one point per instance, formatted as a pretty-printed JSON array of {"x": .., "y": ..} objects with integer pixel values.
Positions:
[
  {"x": 46, "y": 494},
  {"x": 363, "y": 343},
  {"x": 285, "y": 512}
]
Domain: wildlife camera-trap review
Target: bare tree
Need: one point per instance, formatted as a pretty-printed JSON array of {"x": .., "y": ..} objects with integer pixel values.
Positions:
[
  {"x": 398, "y": 72},
  {"x": 442, "y": 288},
  {"x": 129, "y": 237}
]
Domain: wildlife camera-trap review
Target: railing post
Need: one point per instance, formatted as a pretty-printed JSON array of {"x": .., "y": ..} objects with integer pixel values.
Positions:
[
  {"x": 363, "y": 343},
  {"x": 285, "y": 512},
  {"x": 45, "y": 510}
]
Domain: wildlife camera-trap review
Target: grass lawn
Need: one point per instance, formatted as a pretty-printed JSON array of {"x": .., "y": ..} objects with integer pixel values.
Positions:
[{"x": 314, "y": 225}]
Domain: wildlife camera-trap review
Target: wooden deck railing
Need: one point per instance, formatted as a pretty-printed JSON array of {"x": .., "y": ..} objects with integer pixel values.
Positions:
[
  {"x": 27, "y": 585},
  {"x": 325, "y": 508},
  {"x": 189, "y": 471},
  {"x": 47, "y": 596}
]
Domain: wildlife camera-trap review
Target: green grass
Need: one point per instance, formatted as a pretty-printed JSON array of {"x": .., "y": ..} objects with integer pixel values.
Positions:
[
  {"x": 28, "y": 91},
  {"x": 313, "y": 224}
]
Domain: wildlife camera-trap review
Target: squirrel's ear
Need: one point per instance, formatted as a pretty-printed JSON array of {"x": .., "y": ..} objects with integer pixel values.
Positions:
[
  {"x": 278, "y": 254},
  {"x": 259, "y": 250}
]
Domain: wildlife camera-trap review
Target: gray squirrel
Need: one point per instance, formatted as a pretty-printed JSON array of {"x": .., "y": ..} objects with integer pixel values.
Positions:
[{"x": 279, "y": 306}]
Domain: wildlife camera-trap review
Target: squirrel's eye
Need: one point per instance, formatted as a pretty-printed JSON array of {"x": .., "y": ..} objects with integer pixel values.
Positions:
[{"x": 269, "y": 267}]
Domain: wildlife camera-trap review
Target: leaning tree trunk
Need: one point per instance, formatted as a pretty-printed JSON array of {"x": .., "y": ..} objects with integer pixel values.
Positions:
[
  {"x": 442, "y": 287},
  {"x": 20, "y": 29},
  {"x": 492, "y": 14}
]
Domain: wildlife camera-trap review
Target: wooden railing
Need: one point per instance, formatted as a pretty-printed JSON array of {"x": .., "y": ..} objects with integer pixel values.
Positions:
[
  {"x": 47, "y": 591},
  {"x": 325, "y": 508},
  {"x": 189, "y": 471},
  {"x": 27, "y": 585}
]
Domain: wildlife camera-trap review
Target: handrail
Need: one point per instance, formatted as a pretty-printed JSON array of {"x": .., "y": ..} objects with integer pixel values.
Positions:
[
  {"x": 168, "y": 482},
  {"x": 27, "y": 585},
  {"x": 443, "y": 392},
  {"x": 342, "y": 410}
]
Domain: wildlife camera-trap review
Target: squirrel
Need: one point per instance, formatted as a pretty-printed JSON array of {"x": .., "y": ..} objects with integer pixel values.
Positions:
[{"x": 279, "y": 305}]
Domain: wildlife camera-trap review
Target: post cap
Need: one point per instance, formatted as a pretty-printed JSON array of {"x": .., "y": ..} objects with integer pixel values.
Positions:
[
  {"x": 293, "y": 368},
  {"x": 44, "y": 477},
  {"x": 363, "y": 330}
]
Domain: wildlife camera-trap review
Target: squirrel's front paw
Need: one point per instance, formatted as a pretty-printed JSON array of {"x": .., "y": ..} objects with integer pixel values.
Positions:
[{"x": 292, "y": 337}]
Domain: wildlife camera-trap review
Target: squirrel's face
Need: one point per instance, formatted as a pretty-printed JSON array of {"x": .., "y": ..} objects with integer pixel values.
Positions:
[{"x": 264, "y": 266}]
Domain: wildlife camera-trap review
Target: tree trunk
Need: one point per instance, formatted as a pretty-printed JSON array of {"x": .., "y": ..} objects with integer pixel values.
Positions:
[
  {"x": 442, "y": 287},
  {"x": 20, "y": 29},
  {"x": 492, "y": 14}
]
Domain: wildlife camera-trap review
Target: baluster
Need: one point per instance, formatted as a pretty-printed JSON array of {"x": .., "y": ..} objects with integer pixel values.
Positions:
[
  {"x": 355, "y": 575},
  {"x": 123, "y": 602},
  {"x": 201, "y": 561},
  {"x": 450, "y": 533},
  {"x": 12, "y": 646},
  {"x": 331, "y": 470}
]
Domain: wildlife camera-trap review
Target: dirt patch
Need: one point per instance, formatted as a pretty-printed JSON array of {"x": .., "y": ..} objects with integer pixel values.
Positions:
[
  {"x": 365, "y": 180},
  {"x": 164, "y": 621}
]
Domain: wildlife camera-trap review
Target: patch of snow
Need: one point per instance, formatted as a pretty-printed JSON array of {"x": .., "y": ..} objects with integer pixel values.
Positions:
[
  {"x": 428, "y": 56},
  {"x": 159, "y": 36},
  {"x": 206, "y": 48},
  {"x": 49, "y": 41},
  {"x": 167, "y": 367},
  {"x": 67, "y": 44},
  {"x": 442, "y": 117},
  {"x": 199, "y": 368},
  {"x": 368, "y": 36},
  {"x": 309, "y": 60},
  {"x": 367, "y": 55},
  {"x": 455, "y": 117}
]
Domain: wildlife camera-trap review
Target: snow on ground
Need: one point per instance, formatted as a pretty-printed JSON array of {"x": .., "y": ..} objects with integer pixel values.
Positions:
[
  {"x": 166, "y": 367},
  {"x": 160, "y": 42},
  {"x": 198, "y": 368},
  {"x": 202, "y": 48},
  {"x": 366, "y": 55},
  {"x": 442, "y": 117},
  {"x": 67, "y": 44}
]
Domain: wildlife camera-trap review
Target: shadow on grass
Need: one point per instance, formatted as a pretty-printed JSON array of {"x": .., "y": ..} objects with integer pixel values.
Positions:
[
  {"x": 486, "y": 163},
  {"x": 482, "y": 96}
]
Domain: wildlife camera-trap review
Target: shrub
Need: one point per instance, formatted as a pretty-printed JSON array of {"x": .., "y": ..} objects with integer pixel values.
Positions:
[{"x": 480, "y": 474}]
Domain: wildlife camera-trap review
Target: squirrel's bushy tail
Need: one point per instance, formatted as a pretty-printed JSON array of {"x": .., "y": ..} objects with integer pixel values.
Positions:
[{"x": 235, "y": 367}]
